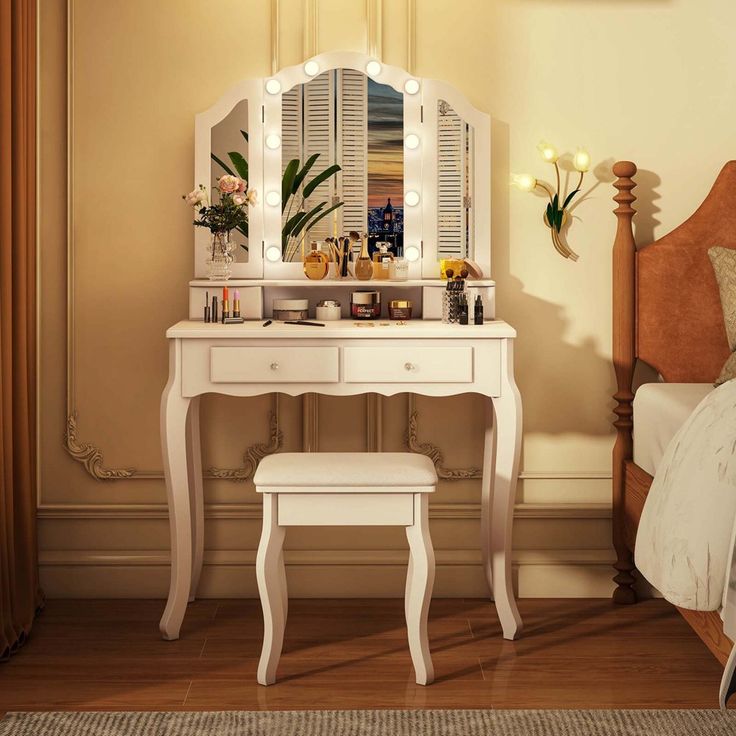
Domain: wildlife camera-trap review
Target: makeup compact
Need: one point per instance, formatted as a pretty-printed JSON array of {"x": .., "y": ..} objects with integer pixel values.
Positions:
[
  {"x": 328, "y": 310},
  {"x": 365, "y": 304},
  {"x": 290, "y": 309}
]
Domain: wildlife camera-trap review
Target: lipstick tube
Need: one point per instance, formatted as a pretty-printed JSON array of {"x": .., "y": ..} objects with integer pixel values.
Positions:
[
  {"x": 236, "y": 303},
  {"x": 225, "y": 304}
]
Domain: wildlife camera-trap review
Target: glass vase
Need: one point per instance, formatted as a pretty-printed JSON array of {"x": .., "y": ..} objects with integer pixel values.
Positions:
[{"x": 220, "y": 257}]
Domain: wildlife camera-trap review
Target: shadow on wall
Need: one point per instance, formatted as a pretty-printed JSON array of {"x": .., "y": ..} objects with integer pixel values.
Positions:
[
  {"x": 645, "y": 221},
  {"x": 565, "y": 387}
]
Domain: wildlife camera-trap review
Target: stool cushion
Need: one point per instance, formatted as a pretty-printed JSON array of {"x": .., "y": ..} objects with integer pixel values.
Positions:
[{"x": 325, "y": 470}]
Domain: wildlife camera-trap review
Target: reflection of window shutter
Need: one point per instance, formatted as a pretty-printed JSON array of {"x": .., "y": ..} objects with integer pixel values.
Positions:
[
  {"x": 319, "y": 128},
  {"x": 451, "y": 184},
  {"x": 291, "y": 128},
  {"x": 352, "y": 152}
]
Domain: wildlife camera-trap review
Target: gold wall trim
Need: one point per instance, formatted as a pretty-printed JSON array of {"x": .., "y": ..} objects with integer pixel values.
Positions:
[
  {"x": 274, "y": 36},
  {"x": 311, "y": 29},
  {"x": 374, "y": 24},
  {"x": 411, "y": 36},
  {"x": 433, "y": 452}
]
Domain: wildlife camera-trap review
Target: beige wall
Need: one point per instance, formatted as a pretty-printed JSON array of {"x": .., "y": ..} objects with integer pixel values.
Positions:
[{"x": 641, "y": 79}]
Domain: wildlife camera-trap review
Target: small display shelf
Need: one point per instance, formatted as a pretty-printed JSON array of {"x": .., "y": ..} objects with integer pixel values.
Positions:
[{"x": 331, "y": 283}]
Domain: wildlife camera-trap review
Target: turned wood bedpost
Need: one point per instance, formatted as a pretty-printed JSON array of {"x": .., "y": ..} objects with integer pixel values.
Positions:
[{"x": 624, "y": 355}]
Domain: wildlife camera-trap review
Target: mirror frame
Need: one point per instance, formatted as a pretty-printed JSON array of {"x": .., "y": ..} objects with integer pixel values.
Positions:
[{"x": 420, "y": 165}]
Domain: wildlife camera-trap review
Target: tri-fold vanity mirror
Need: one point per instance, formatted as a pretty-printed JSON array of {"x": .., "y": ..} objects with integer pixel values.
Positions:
[{"x": 401, "y": 158}]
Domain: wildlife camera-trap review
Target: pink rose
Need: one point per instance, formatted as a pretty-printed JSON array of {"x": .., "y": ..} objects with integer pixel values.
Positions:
[
  {"x": 239, "y": 199},
  {"x": 242, "y": 186},
  {"x": 228, "y": 184},
  {"x": 196, "y": 197}
]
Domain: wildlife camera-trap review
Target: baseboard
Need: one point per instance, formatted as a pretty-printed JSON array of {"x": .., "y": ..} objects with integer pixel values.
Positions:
[{"x": 322, "y": 573}]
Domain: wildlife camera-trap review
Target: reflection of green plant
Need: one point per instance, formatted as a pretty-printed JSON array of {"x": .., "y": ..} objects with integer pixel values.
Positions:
[{"x": 293, "y": 191}]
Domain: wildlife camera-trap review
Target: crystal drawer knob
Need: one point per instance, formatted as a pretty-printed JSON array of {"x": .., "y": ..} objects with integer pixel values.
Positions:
[
  {"x": 274, "y": 366},
  {"x": 409, "y": 366}
]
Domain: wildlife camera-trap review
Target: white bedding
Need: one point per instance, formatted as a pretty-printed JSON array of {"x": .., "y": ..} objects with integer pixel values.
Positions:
[
  {"x": 660, "y": 409},
  {"x": 683, "y": 546}
]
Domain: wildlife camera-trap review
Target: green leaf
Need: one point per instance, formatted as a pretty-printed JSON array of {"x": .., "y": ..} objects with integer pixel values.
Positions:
[
  {"x": 290, "y": 228},
  {"x": 555, "y": 203},
  {"x": 299, "y": 178},
  {"x": 240, "y": 164},
  {"x": 243, "y": 229},
  {"x": 245, "y": 135},
  {"x": 569, "y": 198},
  {"x": 550, "y": 214},
  {"x": 326, "y": 174},
  {"x": 558, "y": 219},
  {"x": 219, "y": 162},
  {"x": 324, "y": 214},
  {"x": 287, "y": 181}
]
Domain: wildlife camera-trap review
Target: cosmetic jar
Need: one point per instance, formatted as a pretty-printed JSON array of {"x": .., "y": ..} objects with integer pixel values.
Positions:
[
  {"x": 399, "y": 309},
  {"x": 284, "y": 309},
  {"x": 365, "y": 304},
  {"x": 398, "y": 269},
  {"x": 327, "y": 310}
]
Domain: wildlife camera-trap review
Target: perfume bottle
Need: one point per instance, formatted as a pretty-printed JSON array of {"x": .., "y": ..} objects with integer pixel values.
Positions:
[
  {"x": 316, "y": 263},
  {"x": 363, "y": 264},
  {"x": 381, "y": 261}
]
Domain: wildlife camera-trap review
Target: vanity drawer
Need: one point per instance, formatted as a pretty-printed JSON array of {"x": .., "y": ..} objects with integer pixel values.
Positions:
[
  {"x": 410, "y": 364},
  {"x": 274, "y": 365}
]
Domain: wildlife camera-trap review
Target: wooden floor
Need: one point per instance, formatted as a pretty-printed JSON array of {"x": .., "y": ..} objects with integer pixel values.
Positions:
[{"x": 353, "y": 654}]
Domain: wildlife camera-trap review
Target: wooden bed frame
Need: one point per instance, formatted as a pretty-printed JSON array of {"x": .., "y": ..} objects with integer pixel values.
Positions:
[{"x": 666, "y": 313}]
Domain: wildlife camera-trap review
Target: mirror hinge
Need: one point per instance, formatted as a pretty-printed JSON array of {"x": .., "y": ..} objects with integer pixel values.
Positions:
[
  {"x": 421, "y": 113},
  {"x": 263, "y": 113},
  {"x": 263, "y": 249}
]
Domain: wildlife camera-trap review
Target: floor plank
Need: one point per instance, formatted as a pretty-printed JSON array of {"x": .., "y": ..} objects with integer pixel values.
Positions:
[{"x": 353, "y": 654}]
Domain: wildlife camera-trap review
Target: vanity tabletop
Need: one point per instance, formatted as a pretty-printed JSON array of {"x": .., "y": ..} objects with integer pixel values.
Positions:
[{"x": 344, "y": 328}]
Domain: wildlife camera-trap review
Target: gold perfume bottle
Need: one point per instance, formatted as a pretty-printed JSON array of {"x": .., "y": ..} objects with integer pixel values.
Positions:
[
  {"x": 316, "y": 263},
  {"x": 363, "y": 265},
  {"x": 381, "y": 260}
]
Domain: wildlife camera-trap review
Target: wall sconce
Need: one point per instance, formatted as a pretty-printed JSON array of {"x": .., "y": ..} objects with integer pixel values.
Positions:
[{"x": 556, "y": 215}]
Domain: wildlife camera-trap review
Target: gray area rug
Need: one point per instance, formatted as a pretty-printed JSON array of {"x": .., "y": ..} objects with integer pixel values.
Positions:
[{"x": 375, "y": 723}]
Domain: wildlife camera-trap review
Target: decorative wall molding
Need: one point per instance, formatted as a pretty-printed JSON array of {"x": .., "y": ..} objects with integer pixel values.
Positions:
[
  {"x": 411, "y": 36},
  {"x": 275, "y": 60},
  {"x": 433, "y": 452},
  {"x": 255, "y": 453},
  {"x": 311, "y": 29},
  {"x": 253, "y": 511},
  {"x": 90, "y": 456},
  {"x": 374, "y": 23}
]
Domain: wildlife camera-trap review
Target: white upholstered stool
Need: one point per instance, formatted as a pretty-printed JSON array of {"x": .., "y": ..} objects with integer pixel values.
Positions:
[{"x": 345, "y": 489}]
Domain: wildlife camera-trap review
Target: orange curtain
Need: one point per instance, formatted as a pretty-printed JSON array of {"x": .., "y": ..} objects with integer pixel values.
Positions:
[{"x": 20, "y": 596}]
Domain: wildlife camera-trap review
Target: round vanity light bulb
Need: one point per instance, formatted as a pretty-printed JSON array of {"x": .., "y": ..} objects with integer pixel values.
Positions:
[
  {"x": 411, "y": 86},
  {"x": 273, "y": 141},
  {"x": 411, "y": 198},
  {"x": 373, "y": 68},
  {"x": 273, "y": 253},
  {"x": 311, "y": 68},
  {"x": 411, "y": 141},
  {"x": 273, "y": 86},
  {"x": 411, "y": 253},
  {"x": 273, "y": 198}
]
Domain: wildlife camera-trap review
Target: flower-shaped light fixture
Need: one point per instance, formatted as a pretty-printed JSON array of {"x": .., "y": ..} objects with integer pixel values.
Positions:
[{"x": 556, "y": 214}]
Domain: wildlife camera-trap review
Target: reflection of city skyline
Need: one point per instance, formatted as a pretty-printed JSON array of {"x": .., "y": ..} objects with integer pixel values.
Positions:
[{"x": 385, "y": 145}]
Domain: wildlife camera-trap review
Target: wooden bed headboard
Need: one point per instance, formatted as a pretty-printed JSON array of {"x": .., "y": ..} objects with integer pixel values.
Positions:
[{"x": 666, "y": 312}]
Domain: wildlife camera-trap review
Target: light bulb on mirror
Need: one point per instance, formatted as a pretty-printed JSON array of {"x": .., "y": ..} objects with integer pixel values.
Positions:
[
  {"x": 372, "y": 68},
  {"x": 273, "y": 86},
  {"x": 548, "y": 152},
  {"x": 581, "y": 161},
  {"x": 311, "y": 68},
  {"x": 411, "y": 198},
  {"x": 411, "y": 86},
  {"x": 411, "y": 141},
  {"x": 411, "y": 253},
  {"x": 273, "y": 253},
  {"x": 273, "y": 141},
  {"x": 523, "y": 182},
  {"x": 273, "y": 198}
]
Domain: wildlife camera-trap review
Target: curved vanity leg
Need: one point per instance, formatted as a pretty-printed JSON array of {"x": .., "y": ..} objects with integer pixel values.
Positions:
[
  {"x": 420, "y": 582},
  {"x": 196, "y": 494},
  {"x": 507, "y": 415},
  {"x": 728, "y": 681},
  {"x": 271, "y": 579},
  {"x": 174, "y": 410},
  {"x": 486, "y": 493}
]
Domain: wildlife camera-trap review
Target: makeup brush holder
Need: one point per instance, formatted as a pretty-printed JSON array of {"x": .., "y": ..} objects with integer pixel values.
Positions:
[{"x": 451, "y": 302}]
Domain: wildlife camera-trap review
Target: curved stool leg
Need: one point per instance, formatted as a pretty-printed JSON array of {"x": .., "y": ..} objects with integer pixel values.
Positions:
[
  {"x": 420, "y": 580},
  {"x": 271, "y": 588}
]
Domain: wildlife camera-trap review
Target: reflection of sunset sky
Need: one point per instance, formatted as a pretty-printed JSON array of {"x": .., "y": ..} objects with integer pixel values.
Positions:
[{"x": 385, "y": 145}]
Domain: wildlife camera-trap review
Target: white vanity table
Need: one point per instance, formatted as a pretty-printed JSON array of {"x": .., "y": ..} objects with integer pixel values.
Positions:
[{"x": 446, "y": 170}]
